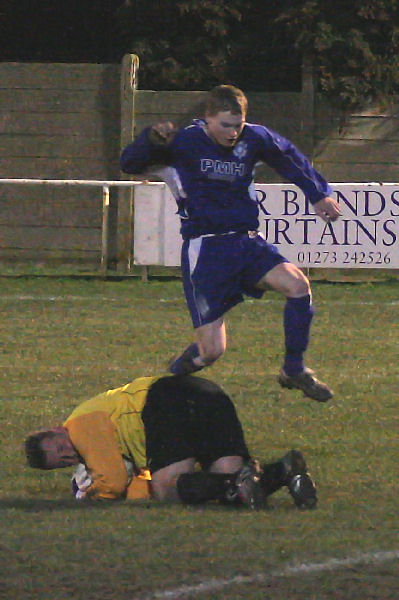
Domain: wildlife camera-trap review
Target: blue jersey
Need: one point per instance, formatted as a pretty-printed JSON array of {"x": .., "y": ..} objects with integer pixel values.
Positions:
[{"x": 213, "y": 185}]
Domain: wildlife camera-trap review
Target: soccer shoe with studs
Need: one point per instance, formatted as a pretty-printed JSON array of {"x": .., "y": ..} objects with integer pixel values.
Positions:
[
  {"x": 307, "y": 382},
  {"x": 299, "y": 482},
  {"x": 183, "y": 364},
  {"x": 247, "y": 489}
]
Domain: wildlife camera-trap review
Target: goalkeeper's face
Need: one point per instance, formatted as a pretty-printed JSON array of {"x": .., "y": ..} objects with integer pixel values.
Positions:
[
  {"x": 58, "y": 449},
  {"x": 225, "y": 127}
]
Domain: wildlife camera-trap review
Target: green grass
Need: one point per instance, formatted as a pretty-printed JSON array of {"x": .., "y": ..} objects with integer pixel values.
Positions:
[{"x": 64, "y": 340}]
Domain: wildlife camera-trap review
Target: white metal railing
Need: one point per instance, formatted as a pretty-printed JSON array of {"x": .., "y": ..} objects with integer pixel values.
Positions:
[
  {"x": 105, "y": 185},
  {"x": 367, "y": 235}
]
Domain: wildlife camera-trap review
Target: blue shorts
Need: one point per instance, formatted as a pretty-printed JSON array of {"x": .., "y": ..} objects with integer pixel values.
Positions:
[{"x": 218, "y": 270}]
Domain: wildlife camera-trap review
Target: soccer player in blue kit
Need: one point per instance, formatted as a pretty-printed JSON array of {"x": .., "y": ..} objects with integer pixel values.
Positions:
[{"x": 211, "y": 168}]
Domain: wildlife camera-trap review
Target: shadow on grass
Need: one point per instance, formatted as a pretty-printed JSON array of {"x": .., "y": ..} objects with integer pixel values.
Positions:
[
  {"x": 51, "y": 505},
  {"x": 60, "y": 504}
]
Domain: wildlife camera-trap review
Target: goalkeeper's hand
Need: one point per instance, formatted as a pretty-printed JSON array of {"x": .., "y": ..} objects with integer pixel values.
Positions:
[
  {"x": 162, "y": 134},
  {"x": 80, "y": 495},
  {"x": 80, "y": 481}
]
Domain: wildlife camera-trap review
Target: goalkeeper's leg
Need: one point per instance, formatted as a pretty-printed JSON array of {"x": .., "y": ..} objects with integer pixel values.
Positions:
[
  {"x": 241, "y": 487},
  {"x": 291, "y": 471}
]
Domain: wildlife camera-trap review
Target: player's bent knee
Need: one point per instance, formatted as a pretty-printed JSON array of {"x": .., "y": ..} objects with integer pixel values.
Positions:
[
  {"x": 163, "y": 483},
  {"x": 287, "y": 279},
  {"x": 296, "y": 283},
  {"x": 299, "y": 287},
  {"x": 165, "y": 491},
  {"x": 159, "y": 492}
]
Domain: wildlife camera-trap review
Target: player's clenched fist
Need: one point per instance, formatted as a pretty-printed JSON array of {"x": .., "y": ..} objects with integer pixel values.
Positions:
[
  {"x": 162, "y": 133},
  {"x": 328, "y": 209}
]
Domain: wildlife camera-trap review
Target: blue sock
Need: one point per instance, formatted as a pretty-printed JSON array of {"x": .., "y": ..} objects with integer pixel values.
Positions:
[
  {"x": 298, "y": 314},
  {"x": 184, "y": 364}
]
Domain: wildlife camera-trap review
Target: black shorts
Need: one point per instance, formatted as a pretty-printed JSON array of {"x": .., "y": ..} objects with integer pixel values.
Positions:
[{"x": 190, "y": 417}]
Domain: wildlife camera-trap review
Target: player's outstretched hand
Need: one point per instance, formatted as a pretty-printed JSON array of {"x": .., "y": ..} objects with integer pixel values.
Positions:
[
  {"x": 328, "y": 209},
  {"x": 162, "y": 133}
]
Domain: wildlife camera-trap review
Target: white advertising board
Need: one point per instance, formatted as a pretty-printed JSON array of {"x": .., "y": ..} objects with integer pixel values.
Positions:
[{"x": 366, "y": 235}]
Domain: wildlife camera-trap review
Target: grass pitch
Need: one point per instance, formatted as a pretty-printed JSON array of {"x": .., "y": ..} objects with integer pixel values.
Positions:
[{"x": 65, "y": 340}]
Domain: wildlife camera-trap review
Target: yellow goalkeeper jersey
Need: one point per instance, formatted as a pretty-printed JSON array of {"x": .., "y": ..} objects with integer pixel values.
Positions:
[{"x": 107, "y": 428}]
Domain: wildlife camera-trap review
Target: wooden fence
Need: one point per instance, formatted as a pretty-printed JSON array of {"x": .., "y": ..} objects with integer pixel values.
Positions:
[{"x": 65, "y": 121}]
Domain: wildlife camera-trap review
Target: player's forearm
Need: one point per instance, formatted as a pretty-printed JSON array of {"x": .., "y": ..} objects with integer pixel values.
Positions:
[
  {"x": 312, "y": 184},
  {"x": 141, "y": 154},
  {"x": 295, "y": 167}
]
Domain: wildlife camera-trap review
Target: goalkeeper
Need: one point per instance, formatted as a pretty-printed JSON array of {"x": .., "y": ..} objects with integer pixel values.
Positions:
[{"x": 147, "y": 438}]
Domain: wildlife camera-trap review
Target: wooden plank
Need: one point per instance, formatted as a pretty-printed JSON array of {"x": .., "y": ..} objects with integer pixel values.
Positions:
[
  {"x": 59, "y": 238},
  {"x": 359, "y": 128},
  {"x": 54, "y": 146},
  {"x": 70, "y": 231},
  {"x": 154, "y": 102},
  {"x": 288, "y": 128},
  {"x": 58, "y": 124},
  {"x": 265, "y": 174},
  {"x": 58, "y": 168},
  {"x": 37, "y": 212},
  {"x": 306, "y": 102},
  {"x": 125, "y": 197},
  {"x": 44, "y": 257},
  {"x": 274, "y": 101},
  {"x": 358, "y": 151},
  {"x": 374, "y": 122},
  {"x": 128, "y": 95},
  {"x": 44, "y": 100},
  {"x": 275, "y": 121},
  {"x": 51, "y": 194},
  {"x": 326, "y": 109},
  {"x": 354, "y": 172},
  {"x": 55, "y": 76}
]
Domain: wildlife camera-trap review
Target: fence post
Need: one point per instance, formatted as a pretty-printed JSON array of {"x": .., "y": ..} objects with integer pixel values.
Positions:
[
  {"x": 104, "y": 231},
  {"x": 129, "y": 73},
  {"x": 307, "y": 106}
]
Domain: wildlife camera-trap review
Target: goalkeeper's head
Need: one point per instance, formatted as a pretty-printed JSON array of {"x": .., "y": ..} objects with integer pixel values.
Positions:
[{"x": 50, "y": 449}]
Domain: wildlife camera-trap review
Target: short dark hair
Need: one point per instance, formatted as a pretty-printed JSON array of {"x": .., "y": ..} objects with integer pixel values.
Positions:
[
  {"x": 226, "y": 98},
  {"x": 35, "y": 455}
]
